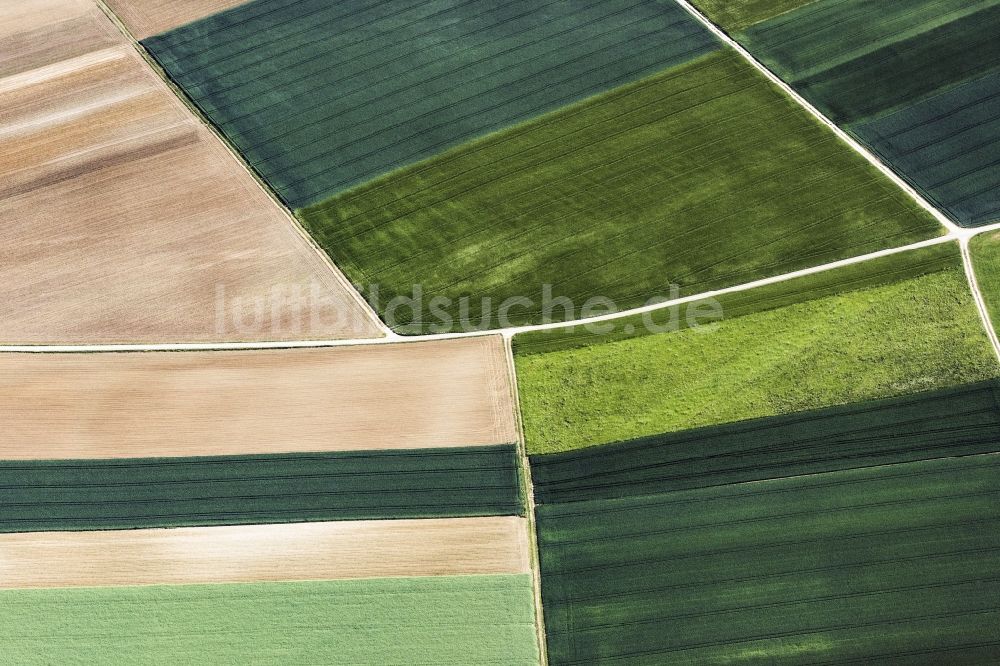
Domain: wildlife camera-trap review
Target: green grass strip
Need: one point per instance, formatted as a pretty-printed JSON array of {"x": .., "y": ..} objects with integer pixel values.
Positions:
[
  {"x": 864, "y": 275},
  {"x": 880, "y": 341},
  {"x": 985, "y": 250},
  {"x": 703, "y": 176},
  {"x": 932, "y": 424},
  {"x": 231, "y": 490},
  {"x": 464, "y": 620},
  {"x": 892, "y": 564}
]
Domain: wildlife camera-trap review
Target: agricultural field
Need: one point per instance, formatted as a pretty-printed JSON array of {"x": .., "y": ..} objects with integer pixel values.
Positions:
[
  {"x": 125, "y": 220},
  {"x": 396, "y": 396},
  {"x": 36, "y": 33},
  {"x": 217, "y": 446},
  {"x": 960, "y": 421},
  {"x": 871, "y": 340},
  {"x": 131, "y": 493},
  {"x": 145, "y": 18},
  {"x": 887, "y": 564},
  {"x": 948, "y": 148},
  {"x": 460, "y": 620},
  {"x": 985, "y": 251},
  {"x": 254, "y": 553},
  {"x": 741, "y": 14},
  {"x": 619, "y": 197},
  {"x": 915, "y": 81},
  {"x": 320, "y": 97}
]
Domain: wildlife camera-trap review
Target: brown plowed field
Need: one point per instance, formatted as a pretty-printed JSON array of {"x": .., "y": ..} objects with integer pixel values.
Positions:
[
  {"x": 150, "y": 17},
  {"x": 389, "y": 396},
  {"x": 252, "y": 553},
  {"x": 123, "y": 219}
]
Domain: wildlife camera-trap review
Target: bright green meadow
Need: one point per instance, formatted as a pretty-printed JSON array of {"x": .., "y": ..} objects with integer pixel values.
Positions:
[{"x": 890, "y": 339}]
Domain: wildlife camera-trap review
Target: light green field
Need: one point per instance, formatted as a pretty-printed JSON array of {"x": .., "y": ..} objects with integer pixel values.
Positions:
[
  {"x": 985, "y": 250},
  {"x": 436, "y": 620},
  {"x": 887, "y": 340},
  {"x": 735, "y": 15}
]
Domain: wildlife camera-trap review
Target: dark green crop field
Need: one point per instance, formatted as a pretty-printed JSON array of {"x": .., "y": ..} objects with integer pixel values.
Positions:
[
  {"x": 171, "y": 492},
  {"x": 460, "y": 620},
  {"x": 702, "y": 176},
  {"x": 890, "y": 565},
  {"x": 919, "y": 333},
  {"x": 916, "y": 81},
  {"x": 829, "y": 33},
  {"x": 947, "y": 147},
  {"x": 320, "y": 96},
  {"x": 953, "y": 422}
]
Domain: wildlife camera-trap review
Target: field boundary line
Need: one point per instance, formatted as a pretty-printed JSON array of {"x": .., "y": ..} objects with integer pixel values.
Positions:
[
  {"x": 938, "y": 215},
  {"x": 505, "y": 332},
  {"x": 182, "y": 97},
  {"x": 977, "y": 295},
  {"x": 528, "y": 488}
]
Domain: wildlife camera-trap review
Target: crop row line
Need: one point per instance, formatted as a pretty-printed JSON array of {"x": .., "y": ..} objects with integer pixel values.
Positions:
[
  {"x": 280, "y": 477},
  {"x": 923, "y": 499},
  {"x": 962, "y": 554},
  {"x": 665, "y": 619},
  {"x": 665, "y": 559}
]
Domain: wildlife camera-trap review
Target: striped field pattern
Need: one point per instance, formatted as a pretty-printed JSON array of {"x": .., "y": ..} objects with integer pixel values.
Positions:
[
  {"x": 831, "y": 555},
  {"x": 702, "y": 176},
  {"x": 321, "y": 96},
  {"x": 916, "y": 81},
  {"x": 170, "y": 492}
]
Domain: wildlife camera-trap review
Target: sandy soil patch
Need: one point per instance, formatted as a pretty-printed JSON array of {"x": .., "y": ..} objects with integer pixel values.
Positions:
[
  {"x": 302, "y": 551},
  {"x": 406, "y": 395},
  {"x": 145, "y": 18}
]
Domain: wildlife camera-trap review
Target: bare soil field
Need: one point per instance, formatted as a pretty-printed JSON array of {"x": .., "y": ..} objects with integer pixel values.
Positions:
[
  {"x": 145, "y": 18},
  {"x": 244, "y": 554},
  {"x": 406, "y": 395},
  {"x": 34, "y": 33},
  {"x": 125, "y": 220},
  {"x": 85, "y": 113}
]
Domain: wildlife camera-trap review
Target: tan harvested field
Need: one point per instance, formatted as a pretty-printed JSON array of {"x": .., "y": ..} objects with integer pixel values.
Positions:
[
  {"x": 390, "y": 396},
  {"x": 253, "y": 553},
  {"x": 145, "y": 18},
  {"x": 34, "y": 33},
  {"x": 83, "y": 114},
  {"x": 123, "y": 219}
]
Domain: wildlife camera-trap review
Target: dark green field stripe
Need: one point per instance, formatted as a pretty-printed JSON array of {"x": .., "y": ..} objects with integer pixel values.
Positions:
[
  {"x": 904, "y": 72},
  {"x": 952, "y": 422},
  {"x": 356, "y": 485},
  {"x": 821, "y": 568},
  {"x": 952, "y": 136}
]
